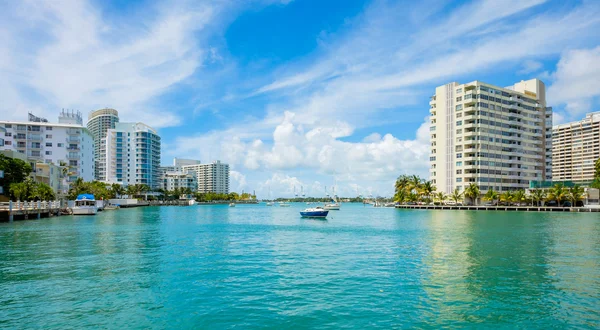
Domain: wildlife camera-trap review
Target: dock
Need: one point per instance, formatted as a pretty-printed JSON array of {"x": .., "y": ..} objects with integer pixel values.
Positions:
[
  {"x": 499, "y": 208},
  {"x": 10, "y": 211}
]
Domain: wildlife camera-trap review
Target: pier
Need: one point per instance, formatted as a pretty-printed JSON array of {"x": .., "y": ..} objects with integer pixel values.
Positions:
[
  {"x": 10, "y": 211},
  {"x": 500, "y": 208}
]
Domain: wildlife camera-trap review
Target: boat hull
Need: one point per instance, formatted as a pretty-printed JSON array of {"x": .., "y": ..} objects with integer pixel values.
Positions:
[
  {"x": 314, "y": 214},
  {"x": 84, "y": 210},
  {"x": 332, "y": 207}
]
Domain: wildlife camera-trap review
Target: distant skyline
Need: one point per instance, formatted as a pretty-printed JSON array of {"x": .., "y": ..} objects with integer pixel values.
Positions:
[{"x": 292, "y": 93}]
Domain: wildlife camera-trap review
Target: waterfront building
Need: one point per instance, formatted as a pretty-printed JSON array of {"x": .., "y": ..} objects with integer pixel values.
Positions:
[
  {"x": 172, "y": 180},
  {"x": 99, "y": 122},
  {"x": 133, "y": 155},
  {"x": 67, "y": 144},
  {"x": 51, "y": 175},
  {"x": 575, "y": 149},
  {"x": 499, "y": 138},
  {"x": 213, "y": 177}
]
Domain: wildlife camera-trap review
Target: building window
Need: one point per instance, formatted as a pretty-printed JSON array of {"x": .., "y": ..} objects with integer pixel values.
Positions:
[
  {"x": 8, "y": 134},
  {"x": 48, "y": 153},
  {"x": 60, "y": 145},
  {"x": 458, "y": 99},
  {"x": 48, "y": 136},
  {"x": 432, "y": 128},
  {"x": 8, "y": 143},
  {"x": 459, "y": 107},
  {"x": 48, "y": 144},
  {"x": 458, "y": 171},
  {"x": 459, "y": 131},
  {"x": 459, "y": 155},
  {"x": 458, "y": 90},
  {"x": 458, "y": 179},
  {"x": 48, "y": 128},
  {"x": 459, "y": 123},
  {"x": 8, "y": 126}
]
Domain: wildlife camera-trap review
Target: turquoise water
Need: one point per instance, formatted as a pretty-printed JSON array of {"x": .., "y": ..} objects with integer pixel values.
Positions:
[{"x": 255, "y": 266}]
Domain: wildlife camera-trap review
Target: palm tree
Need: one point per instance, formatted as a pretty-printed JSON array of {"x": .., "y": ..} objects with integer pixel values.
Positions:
[
  {"x": 400, "y": 196},
  {"x": 519, "y": 196},
  {"x": 507, "y": 197},
  {"x": 492, "y": 196},
  {"x": 415, "y": 183},
  {"x": 557, "y": 193},
  {"x": 428, "y": 188},
  {"x": 402, "y": 183},
  {"x": 441, "y": 197},
  {"x": 44, "y": 192},
  {"x": 117, "y": 190},
  {"x": 576, "y": 194},
  {"x": 472, "y": 192},
  {"x": 538, "y": 195},
  {"x": 19, "y": 191},
  {"x": 456, "y": 196}
]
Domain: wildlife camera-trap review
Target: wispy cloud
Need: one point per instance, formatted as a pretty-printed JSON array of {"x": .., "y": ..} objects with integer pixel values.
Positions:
[
  {"x": 376, "y": 71},
  {"x": 67, "y": 54}
]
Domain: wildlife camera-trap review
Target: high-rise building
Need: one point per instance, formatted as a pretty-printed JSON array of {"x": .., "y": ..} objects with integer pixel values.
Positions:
[
  {"x": 575, "y": 149},
  {"x": 133, "y": 155},
  {"x": 99, "y": 122},
  {"x": 66, "y": 144},
  {"x": 213, "y": 177},
  {"x": 499, "y": 138}
]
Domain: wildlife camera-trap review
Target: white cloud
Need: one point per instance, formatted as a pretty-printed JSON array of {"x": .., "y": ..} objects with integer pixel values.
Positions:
[
  {"x": 237, "y": 181},
  {"x": 576, "y": 81},
  {"x": 530, "y": 66},
  {"x": 75, "y": 57},
  {"x": 372, "y": 75},
  {"x": 557, "y": 118}
]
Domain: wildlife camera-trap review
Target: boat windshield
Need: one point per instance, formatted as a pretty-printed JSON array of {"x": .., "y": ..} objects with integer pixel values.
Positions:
[{"x": 85, "y": 203}]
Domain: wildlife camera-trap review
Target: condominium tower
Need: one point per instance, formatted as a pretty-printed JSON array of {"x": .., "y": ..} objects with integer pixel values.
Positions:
[
  {"x": 99, "y": 122},
  {"x": 575, "y": 149},
  {"x": 67, "y": 144},
  {"x": 133, "y": 155},
  {"x": 213, "y": 177},
  {"x": 499, "y": 138}
]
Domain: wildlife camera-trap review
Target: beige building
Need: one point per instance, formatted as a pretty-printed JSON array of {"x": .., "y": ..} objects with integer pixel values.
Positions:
[
  {"x": 575, "y": 149},
  {"x": 499, "y": 138},
  {"x": 213, "y": 177},
  {"x": 51, "y": 175}
]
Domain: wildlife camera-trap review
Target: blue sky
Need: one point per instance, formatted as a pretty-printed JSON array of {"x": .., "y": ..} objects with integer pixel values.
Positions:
[{"x": 292, "y": 93}]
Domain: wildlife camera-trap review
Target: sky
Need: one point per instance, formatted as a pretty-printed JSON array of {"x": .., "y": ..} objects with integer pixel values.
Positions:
[{"x": 293, "y": 94}]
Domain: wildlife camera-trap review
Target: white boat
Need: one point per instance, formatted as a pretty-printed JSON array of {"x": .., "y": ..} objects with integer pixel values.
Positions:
[
  {"x": 284, "y": 204},
  {"x": 269, "y": 203},
  {"x": 332, "y": 206},
  {"x": 85, "y": 204},
  {"x": 231, "y": 204}
]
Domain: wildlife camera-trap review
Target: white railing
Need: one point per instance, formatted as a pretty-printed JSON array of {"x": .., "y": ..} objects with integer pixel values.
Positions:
[{"x": 28, "y": 206}]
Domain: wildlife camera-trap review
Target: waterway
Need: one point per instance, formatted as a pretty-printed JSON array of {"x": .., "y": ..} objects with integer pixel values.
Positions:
[{"x": 255, "y": 266}]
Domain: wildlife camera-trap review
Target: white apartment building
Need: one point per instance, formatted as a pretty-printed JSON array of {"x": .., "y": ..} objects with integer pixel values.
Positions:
[
  {"x": 171, "y": 180},
  {"x": 133, "y": 155},
  {"x": 499, "y": 138},
  {"x": 575, "y": 149},
  {"x": 212, "y": 177},
  {"x": 67, "y": 144},
  {"x": 99, "y": 122}
]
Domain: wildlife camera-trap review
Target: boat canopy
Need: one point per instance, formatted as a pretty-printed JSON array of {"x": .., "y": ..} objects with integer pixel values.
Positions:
[{"x": 85, "y": 197}]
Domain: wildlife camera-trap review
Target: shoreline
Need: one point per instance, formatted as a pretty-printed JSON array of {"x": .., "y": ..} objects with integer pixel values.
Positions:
[{"x": 500, "y": 208}]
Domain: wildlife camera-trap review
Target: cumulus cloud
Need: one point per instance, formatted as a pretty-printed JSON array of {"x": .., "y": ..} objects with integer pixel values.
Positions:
[
  {"x": 576, "y": 81},
  {"x": 379, "y": 72}
]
